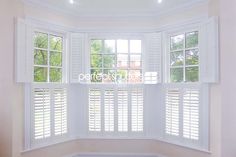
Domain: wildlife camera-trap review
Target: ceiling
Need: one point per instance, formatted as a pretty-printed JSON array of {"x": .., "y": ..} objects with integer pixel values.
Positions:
[{"x": 114, "y": 7}]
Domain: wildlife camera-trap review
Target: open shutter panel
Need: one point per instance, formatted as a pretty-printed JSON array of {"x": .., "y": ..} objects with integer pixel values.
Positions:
[
  {"x": 42, "y": 113},
  {"x": 24, "y": 52},
  {"x": 94, "y": 110},
  {"x": 152, "y": 58},
  {"x": 78, "y": 63},
  {"x": 109, "y": 102},
  {"x": 209, "y": 51},
  {"x": 60, "y": 111},
  {"x": 122, "y": 96}
]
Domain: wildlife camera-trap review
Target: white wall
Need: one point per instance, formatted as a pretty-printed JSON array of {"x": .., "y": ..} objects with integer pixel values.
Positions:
[{"x": 11, "y": 94}]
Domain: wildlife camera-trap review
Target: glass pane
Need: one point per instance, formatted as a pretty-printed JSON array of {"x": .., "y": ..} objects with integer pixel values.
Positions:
[
  {"x": 55, "y": 75},
  {"x": 40, "y": 74},
  {"x": 176, "y": 74},
  {"x": 56, "y": 43},
  {"x": 135, "y": 76},
  {"x": 192, "y": 57},
  {"x": 135, "y": 61},
  {"x": 122, "y": 76},
  {"x": 192, "y": 39},
  {"x": 176, "y": 58},
  {"x": 135, "y": 46},
  {"x": 41, "y": 40},
  {"x": 192, "y": 74},
  {"x": 96, "y": 61},
  {"x": 122, "y": 46},
  {"x": 109, "y": 61},
  {"x": 177, "y": 42},
  {"x": 109, "y": 76},
  {"x": 96, "y": 75},
  {"x": 56, "y": 59},
  {"x": 40, "y": 57},
  {"x": 122, "y": 61},
  {"x": 110, "y": 46},
  {"x": 96, "y": 46}
]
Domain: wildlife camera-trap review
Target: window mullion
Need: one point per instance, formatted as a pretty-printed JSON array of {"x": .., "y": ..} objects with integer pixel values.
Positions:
[{"x": 48, "y": 74}]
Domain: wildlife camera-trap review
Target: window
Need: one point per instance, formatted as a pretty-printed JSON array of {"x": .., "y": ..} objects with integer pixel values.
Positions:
[
  {"x": 184, "y": 57},
  {"x": 116, "y": 61},
  {"x": 124, "y": 115}
]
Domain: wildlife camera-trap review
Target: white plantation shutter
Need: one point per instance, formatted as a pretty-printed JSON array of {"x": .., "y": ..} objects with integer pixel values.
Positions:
[
  {"x": 191, "y": 114},
  {"x": 172, "y": 102},
  {"x": 122, "y": 98},
  {"x": 209, "y": 51},
  {"x": 137, "y": 109},
  {"x": 94, "y": 110},
  {"x": 109, "y": 102},
  {"x": 60, "y": 111},
  {"x": 78, "y": 47},
  {"x": 152, "y": 58},
  {"x": 42, "y": 113}
]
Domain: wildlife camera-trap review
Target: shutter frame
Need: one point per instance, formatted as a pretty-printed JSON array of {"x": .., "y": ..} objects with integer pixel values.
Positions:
[
  {"x": 152, "y": 58},
  {"x": 209, "y": 51},
  {"x": 24, "y": 52}
]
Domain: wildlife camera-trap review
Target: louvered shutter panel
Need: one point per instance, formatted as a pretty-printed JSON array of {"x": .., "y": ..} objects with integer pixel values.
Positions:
[
  {"x": 172, "y": 102},
  {"x": 94, "y": 110},
  {"x": 122, "y": 98},
  {"x": 24, "y": 52},
  {"x": 60, "y": 111},
  {"x": 137, "y": 110},
  {"x": 109, "y": 101},
  {"x": 152, "y": 58},
  {"x": 42, "y": 113},
  {"x": 209, "y": 51},
  {"x": 77, "y": 57},
  {"x": 191, "y": 114}
]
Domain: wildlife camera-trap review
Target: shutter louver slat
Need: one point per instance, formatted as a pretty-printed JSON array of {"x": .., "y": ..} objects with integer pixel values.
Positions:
[
  {"x": 42, "y": 109},
  {"x": 109, "y": 110},
  {"x": 122, "y": 96},
  {"x": 172, "y": 111},
  {"x": 191, "y": 114},
  {"x": 94, "y": 110},
  {"x": 60, "y": 111},
  {"x": 137, "y": 110}
]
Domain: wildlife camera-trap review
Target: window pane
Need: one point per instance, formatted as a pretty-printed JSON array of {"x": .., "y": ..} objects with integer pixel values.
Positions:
[
  {"x": 40, "y": 57},
  {"x": 55, "y": 75},
  {"x": 135, "y": 61},
  {"x": 192, "y": 39},
  {"x": 135, "y": 46},
  {"x": 122, "y": 46},
  {"x": 40, "y": 74},
  {"x": 176, "y": 74},
  {"x": 135, "y": 76},
  {"x": 41, "y": 40},
  {"x": 96, "y": 61},
  {"x": 109, "y": 76},
  {"x": 192, "y": 57},
  {"x": 56, "y": 59},
  {"x": 56, "y": 43},
  {"x": 176, "y": 58},
  {"x": 96, "y": 46},
  {"x": 177, "y": 42},
  {"x": 122, "y": 61},
  {"x": 122, "y": 76},
  {"x": 192, "y": 74},
  {"x": 110, "y": 46},
  {"x": 109, "y": 61},
  {"x": 96, "y": 75}
]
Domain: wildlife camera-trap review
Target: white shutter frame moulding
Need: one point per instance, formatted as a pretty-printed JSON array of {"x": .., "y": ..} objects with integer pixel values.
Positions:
[
  {"x": 23, "y": 51},
  {"x": 209, "y": 51},
  {"x": 78, "y": 56},
  {"x": 152, "y": 58}
]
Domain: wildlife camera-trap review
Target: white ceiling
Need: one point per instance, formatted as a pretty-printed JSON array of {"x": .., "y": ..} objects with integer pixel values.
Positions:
[{"x": 114, "y": 7}]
